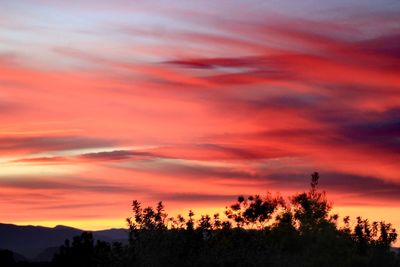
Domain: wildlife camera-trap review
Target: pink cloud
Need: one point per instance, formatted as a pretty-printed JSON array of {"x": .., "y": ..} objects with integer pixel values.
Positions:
[{"x": 202, "y": 115}]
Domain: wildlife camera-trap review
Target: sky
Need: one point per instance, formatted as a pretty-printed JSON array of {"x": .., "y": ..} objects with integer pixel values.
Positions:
[{"x": 194, "y": 103}]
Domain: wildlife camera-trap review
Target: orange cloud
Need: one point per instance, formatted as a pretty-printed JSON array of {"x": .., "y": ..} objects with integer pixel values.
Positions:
[{"x": 195, "y": 116}]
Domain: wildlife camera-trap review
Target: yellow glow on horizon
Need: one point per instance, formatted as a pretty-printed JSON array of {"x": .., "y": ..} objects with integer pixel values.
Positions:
[
  {"x": 373, "y": 213},
  {"x": 89, "y": 225}
]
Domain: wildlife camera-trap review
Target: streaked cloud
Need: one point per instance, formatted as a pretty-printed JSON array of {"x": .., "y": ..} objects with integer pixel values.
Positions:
[{"x": 195, "y": 103}]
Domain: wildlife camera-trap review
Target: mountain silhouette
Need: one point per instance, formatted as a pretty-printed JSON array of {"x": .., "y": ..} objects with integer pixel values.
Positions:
[{"x": 40, "y": 243}]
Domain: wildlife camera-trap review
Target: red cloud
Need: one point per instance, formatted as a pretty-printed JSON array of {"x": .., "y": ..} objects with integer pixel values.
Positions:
[{"x": 227, "y": 106}]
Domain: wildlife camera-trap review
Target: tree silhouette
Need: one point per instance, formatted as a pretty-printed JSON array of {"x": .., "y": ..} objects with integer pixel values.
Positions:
[
  {"x": 253, "y": 211},
  {"x": 269, "y": 231},
  {"x": 311, "y": 209},
  {"x": 85, "y": 252}
]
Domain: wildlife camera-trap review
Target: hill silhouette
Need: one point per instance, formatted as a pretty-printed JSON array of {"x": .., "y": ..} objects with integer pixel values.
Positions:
[{"x": 37, "y": 242}]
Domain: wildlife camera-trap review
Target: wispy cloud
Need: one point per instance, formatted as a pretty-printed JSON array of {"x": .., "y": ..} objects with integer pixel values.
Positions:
[{"x": 196, "y": 103}]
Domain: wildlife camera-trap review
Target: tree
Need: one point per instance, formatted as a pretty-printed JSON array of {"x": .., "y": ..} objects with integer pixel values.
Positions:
[
  {"x": 85, "y": 252},
  {"x": 147, "y": 218},
  {"x": 311, "y": 209},
  {"x": 254, "y": 211},
  {"x": 268, "y": 232}
]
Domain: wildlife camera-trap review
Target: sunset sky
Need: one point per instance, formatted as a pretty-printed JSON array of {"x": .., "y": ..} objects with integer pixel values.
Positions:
[{"x": 194, "y": 103}]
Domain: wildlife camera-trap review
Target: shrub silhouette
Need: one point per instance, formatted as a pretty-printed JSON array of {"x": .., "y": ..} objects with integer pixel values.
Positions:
[
  {"x": 253, "y": 211},
  {"x": 311, "y": 210},
  {"x": 257, "y": 231},
  {"x": 269, "y": 231},
  {"x": 85, "y": 252}
]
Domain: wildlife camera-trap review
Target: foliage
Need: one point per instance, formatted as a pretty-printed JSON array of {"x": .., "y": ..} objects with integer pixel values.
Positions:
[
  {"x": 253, "y": 211},
  {"x": 85, "y": 252},
  {"x": 257, "y": 231}
]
